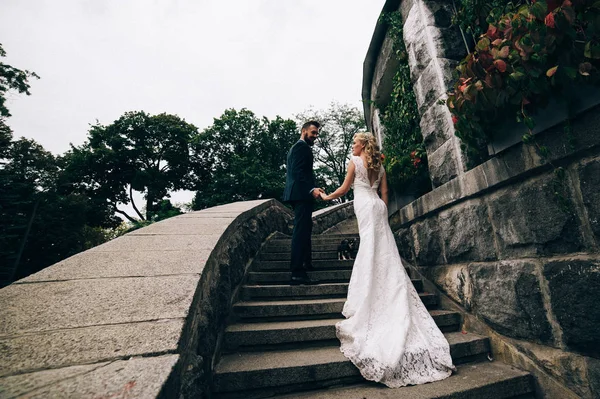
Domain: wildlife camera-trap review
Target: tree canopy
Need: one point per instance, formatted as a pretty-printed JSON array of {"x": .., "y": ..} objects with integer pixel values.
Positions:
[
  {"x": 146, "y": 153},
  {"x": 241, "y": 157}
]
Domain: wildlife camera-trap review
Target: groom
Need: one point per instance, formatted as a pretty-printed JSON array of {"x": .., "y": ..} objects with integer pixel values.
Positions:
[{"x": 301, "y": 192}]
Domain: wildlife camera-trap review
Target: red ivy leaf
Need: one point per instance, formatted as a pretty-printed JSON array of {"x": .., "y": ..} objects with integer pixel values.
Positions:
[
  {"x": 550, "y": 72},
  {"x": 549, "y": 20},
  {"x": 500, "y": 65}
]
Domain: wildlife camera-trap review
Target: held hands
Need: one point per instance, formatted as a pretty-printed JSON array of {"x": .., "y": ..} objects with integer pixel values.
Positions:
[
  {"x": 316, "y": 193},
  {"x": 324, "y": 196}
]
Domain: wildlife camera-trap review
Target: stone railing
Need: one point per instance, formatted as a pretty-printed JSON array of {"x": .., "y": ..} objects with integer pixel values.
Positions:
[
  {"x": 138, "y": 316},
  {"x": 141, "y": 315},
  {"x": 325, "y": 218},
  {"x": 514, "y": 244}
]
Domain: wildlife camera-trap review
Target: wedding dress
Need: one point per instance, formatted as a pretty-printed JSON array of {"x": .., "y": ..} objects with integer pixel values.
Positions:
[{"x": 388, "y": 333}]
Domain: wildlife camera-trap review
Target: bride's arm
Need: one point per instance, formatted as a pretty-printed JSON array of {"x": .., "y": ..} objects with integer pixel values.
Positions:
[
  {"x": 345, "y": 187},
  {"x": 383, "y": 188}
]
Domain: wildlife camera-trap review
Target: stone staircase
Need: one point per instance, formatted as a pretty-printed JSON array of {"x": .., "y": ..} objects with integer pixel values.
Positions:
[{"x": 281, "y": 340}]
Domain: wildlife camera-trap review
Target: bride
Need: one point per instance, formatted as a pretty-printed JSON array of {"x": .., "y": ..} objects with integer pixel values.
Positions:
[{"x": 388, "y": 333}]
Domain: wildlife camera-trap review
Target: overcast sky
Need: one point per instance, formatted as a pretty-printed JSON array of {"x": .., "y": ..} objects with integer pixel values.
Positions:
[{"x": 195, "y": 58}]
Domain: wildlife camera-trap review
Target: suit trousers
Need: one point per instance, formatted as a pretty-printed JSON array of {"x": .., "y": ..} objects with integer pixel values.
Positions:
[{"x": 301, "y": 236}]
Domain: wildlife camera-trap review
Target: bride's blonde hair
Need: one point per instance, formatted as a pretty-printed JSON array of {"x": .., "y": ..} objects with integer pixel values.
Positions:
[{"x": 371, "y": 149}]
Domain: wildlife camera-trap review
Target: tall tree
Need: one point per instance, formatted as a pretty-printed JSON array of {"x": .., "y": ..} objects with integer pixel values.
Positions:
[
  {"x": 241, "y": 157},
  {"x": 11, "y": 78},
  {"x": 138, "y": 151},
  {"x": 340, "y": 122}
]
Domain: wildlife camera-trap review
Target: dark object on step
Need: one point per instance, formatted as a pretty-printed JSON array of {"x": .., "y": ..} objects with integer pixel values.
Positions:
[{"x": 347, "y": 249}]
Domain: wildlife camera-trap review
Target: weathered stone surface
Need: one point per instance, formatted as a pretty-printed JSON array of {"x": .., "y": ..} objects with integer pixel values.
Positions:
[
  {"x": 443, "y": 165},
  {"x": 536, "y": 217},
  {"x": 140, "y": 242},
  {"x": 507, "y": 295},
  {"x": 437, "y": 13},
  {"x": 326, "y": 219},
  {"x": 467, "y": 233},
  {"x": 455, "y": 281},
  {"x": 447, "y": 42},
  {"x": 134, "y": 378},
  {"x": 419, "y": 55},
  {"x": 568, "y": 368},
  {"x": 589, "y": 182},
  {"x": 593, "y": 376},
  {"x": 404, "y": 242},
  {"x": 38, "y": 307},
  {"x": 427, "y": 242},
  {"x": 123, "y": 264},
  {"x": 436, "y": 127},
  {"x": 63, "y": 348},
  {"x": 574, "y": 287},
  {"x": 428, "y": 87},
  {"x": 383, "y": 75}
]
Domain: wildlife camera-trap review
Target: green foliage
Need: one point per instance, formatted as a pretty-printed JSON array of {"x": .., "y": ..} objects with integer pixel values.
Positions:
[
  {"x": 11, "y": 78},
  {"x": 405, "y": 156},
  {"x": 339, "y": 124},
  {"x": 240, "y": 158},
  {"x": 63, "y": 222},
  {"x": 146, "y": 153},
  {"x": 526, "y": 55}
]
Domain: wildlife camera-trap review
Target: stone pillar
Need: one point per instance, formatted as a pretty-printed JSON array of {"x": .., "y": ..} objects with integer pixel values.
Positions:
[{"x": 434, "y": 49}]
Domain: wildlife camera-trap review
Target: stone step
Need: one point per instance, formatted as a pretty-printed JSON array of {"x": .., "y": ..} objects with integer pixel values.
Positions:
[
  {"x": 247, "y": 335},
  {"x": 272, "y": 247},
  {"x": 317, "y": 239},
  {"x": 247, "y": 371},
  {"x": 303, "y": 291},
  {"x": 302, "y": 307},
  {"x": 487, "y": 380},
  {"x": 287, "y": 255},
  {"x": 319, "y": 264},
  {"x": 317, "y": 276},
  {"x": 265, "y": 292}
]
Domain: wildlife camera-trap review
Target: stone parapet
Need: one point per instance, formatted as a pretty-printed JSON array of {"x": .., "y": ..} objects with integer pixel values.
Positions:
[{"x": 138, "y": 316}]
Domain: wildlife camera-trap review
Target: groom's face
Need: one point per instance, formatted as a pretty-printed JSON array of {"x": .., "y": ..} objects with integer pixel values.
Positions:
[{"x": 310, "y": 134}]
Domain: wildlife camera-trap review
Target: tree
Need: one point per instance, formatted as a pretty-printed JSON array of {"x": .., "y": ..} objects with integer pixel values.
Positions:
[
  {"x": 340, "y": 122},
  {"x": 146, "y": 153},
  {"x": 42, "y": 221},
  {"x": 241, "y": 157},
  {"x": 11, "y": 78}
]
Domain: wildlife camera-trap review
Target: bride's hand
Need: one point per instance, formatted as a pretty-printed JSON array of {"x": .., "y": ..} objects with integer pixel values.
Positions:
[{"x": 324, "y": 196}]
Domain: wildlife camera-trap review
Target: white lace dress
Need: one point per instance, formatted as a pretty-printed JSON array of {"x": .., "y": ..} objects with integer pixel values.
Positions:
[{"x": 388, "y": 333}]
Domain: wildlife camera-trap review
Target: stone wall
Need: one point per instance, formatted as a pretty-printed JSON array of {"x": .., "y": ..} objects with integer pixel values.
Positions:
[
  {"x": 434, "y": 48},
  {"x": 512, "y": 243},
  {"x": 515, "y": 244}
]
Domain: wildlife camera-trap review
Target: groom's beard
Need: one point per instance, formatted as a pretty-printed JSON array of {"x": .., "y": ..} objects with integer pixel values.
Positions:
[{"x": 309, "y": 141}]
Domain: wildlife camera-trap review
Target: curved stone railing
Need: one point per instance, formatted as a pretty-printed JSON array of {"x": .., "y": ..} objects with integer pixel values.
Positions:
[
  {"x": 138, "y": 316},
  {"x": 325, "y": 218}
]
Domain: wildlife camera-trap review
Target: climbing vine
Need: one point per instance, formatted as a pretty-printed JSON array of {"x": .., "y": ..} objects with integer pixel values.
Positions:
[
  {"x": 528, "y": 52},
  {"x": 405, "y": 156}
]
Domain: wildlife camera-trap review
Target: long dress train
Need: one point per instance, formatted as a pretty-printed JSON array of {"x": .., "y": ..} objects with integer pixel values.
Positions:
[{"x": 388, "y": 334}]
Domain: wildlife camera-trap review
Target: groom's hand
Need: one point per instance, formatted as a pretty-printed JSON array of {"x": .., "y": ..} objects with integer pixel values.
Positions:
[{"x": 316, "y": 193}]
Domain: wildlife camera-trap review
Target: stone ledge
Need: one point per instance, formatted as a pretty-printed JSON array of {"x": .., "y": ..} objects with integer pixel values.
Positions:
[{"x": 517, "y": 161}]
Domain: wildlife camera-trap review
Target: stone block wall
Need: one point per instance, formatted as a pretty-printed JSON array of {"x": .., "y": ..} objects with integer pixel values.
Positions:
[
  {"x": 515, "y": 243},
  {"x": 434, "y": 48}
]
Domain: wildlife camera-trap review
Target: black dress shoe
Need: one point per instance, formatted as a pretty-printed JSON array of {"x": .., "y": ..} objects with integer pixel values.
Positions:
[{"x": 301, "y": 280}]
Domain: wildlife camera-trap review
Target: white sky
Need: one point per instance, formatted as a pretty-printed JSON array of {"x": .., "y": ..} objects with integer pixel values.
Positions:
[{"x": 195, "y": 58}]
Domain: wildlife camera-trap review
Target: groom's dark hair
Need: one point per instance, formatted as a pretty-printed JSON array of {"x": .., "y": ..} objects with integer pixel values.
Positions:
[{"x": 311, "y": 123}]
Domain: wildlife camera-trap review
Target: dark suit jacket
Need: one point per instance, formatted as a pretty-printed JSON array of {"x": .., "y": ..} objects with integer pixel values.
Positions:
[{"x": 300, "y": 178}]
